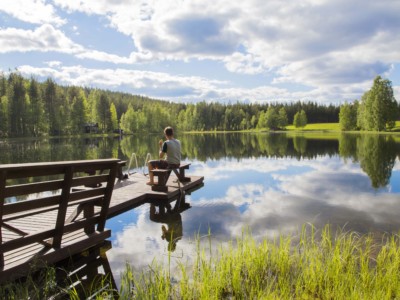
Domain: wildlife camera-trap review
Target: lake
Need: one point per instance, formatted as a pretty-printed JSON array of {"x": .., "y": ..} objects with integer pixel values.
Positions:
[{"x": 268, "y": 184}]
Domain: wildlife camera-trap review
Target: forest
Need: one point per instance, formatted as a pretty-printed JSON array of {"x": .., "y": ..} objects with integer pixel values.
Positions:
[{"x": 32, "y": 108}]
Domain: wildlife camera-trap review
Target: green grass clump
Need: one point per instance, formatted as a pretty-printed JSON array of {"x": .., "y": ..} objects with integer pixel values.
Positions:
[{"x": 319, "y": 266}]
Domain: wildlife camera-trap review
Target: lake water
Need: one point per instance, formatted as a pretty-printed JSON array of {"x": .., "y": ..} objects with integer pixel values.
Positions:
[{"x": 269, "y": 184}]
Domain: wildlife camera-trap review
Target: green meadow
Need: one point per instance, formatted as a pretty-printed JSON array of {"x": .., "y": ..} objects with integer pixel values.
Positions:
[{"x": 329, "y": 127}]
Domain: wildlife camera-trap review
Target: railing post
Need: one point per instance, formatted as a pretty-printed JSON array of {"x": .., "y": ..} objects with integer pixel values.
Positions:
[
  {"x": 107, "y": 196},
  {"x": 62, "y": 209},
  {"x": 2, "y": 199},
  {"x": 88, "y": 212}
]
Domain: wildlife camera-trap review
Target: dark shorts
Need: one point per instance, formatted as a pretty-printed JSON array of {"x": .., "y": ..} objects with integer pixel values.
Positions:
[{"x": 162, "y": 164}]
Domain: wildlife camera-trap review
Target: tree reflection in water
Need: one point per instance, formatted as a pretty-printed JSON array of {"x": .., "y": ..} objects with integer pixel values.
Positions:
[{"x": 375, "y": 153}]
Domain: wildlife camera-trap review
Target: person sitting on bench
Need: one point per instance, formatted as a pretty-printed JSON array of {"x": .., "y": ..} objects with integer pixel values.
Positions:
[{"x": 172, "y": 148}]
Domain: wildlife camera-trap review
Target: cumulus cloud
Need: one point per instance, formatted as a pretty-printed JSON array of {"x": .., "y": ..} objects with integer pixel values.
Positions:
[
  {"x": 44, "y": 38},
  {"x": 153, "y": 84},
  {"x": 332, "y": 49},
  {"x": 36, "y": 11}
]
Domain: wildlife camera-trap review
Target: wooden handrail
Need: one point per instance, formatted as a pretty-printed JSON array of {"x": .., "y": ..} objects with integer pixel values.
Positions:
[{"x": 25, "y": 180}]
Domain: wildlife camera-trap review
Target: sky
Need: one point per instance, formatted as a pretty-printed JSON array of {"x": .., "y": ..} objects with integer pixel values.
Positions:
[{"x": 252, "y": 51}]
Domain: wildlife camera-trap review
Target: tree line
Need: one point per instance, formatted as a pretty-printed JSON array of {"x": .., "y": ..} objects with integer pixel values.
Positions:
[{"x": 32, "y": 108}]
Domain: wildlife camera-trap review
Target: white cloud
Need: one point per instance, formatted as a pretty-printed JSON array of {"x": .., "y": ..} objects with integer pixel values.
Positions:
[
  {"x": 321, "y": 44},
  {"x": 332, "y": 49},
  {"x": 153, "y": 84},
  {"x": 34, "y": 11},
  {"x": 44, "y": 38}
]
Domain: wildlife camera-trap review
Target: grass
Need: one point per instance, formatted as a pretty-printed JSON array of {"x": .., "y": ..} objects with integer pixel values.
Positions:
[
  {"x": 312, "y": 265},
  {"x": 343, "y": 266},
  {"x": 335, "y": 127},
  {"x": 317, "y": 127}
]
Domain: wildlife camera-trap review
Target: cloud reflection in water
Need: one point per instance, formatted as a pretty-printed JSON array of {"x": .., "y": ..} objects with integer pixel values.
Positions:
[{"x": 269, "y": 196}]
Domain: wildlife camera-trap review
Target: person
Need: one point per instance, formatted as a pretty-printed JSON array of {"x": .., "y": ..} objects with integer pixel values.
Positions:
[{"x": 172, "y": 149}]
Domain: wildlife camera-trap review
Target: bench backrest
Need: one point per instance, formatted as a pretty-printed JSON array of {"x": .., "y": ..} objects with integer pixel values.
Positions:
[{"x": 54, "y": 187}]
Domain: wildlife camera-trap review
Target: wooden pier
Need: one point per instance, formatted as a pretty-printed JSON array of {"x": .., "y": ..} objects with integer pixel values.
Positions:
[
  {"x": 132, "y": 192},
  {"x": 50, "y": 228}
]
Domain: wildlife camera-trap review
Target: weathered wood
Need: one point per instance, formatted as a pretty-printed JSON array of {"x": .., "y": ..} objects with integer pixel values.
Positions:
[
  {"x": 2, "y": 193},
  {"x": 76, "y": 245},
  {"x": 107, "y": 197},
  {"x": 163, "y": 176},
  {"x": 62, "y": 209},
  {"x": 85, "y": 208},
  {"x": 30, "y": 188},
  {"x": 42, "y": 223}
]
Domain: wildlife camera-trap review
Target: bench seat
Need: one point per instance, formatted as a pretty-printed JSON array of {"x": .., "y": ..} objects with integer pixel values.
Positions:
[{"x": 163, "y": 176}]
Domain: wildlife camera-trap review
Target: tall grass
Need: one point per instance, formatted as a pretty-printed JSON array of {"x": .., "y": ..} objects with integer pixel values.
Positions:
[
  {"x": 312, "y": 265},
  {"x": 317, "y": 266}
]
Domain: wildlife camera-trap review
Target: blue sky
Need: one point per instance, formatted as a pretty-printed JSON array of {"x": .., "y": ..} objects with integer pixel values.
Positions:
[{"x": 184, "y": 51}]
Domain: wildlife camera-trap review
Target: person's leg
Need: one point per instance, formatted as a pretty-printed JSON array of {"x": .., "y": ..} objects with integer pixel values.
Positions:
[
  {"x": 151, "y": 175},
  {"x": 152, "y": 164}
]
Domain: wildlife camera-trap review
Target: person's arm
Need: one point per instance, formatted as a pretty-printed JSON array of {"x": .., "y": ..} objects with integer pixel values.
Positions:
[{"x": 163, "y": 149}]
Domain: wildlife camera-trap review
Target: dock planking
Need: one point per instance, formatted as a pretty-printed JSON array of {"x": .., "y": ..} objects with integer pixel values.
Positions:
[{"x": 134, "y": 191}]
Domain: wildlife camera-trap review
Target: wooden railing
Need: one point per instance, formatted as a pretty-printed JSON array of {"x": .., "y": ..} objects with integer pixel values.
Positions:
[{"x": 42, "y": 202}]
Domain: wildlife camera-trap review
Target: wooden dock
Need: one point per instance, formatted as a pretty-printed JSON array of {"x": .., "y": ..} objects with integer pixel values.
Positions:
[
  {"x": 134, "y": 191},
  {"x": 30, "y": 229}
]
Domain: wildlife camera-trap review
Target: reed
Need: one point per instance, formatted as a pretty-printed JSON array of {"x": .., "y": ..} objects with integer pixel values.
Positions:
[
  {"x": 311, "y": 265},
  {"x": 315, "y": 265}
]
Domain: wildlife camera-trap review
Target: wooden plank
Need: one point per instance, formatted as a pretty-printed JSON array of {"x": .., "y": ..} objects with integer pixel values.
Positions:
[
  {"x": 24, "y": 241},
  {"x": 89, "y": 180},
  {"x": 79, "y": 245},
  {"x": 107, "y": 197},
  {"x": 33, "y": 188},
  {"x": 29, "y": 205},
  {"x": 2, "y": 197},
  {"x": 15, "y": 171},
  {"x": 62, "y": 209}
]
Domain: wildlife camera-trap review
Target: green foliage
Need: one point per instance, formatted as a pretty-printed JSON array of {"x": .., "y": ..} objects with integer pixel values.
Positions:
[
  {"x": 348, "y": 116},
  {"x": 79, "y": 116},
  {"x": 300, "y": 119},
  {"x": 272, "y": 118},
  {"x": 113, "y": 116},
  {"x": 31, "y": 108},
  {"x": 378, "y": 108},
  {"x": 282, "y": 118}
]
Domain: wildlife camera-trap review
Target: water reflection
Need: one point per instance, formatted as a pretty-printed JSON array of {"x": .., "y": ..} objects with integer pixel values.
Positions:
[
  {"x": 270, "y": 183},
  {"x": 269, "y": 196},
  {"x": 172, "y": 228},
  {"x": 376, "y": 154}
]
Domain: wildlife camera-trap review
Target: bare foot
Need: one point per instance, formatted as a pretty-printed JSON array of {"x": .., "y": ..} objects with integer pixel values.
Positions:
[{"x": 150, "y": 183}]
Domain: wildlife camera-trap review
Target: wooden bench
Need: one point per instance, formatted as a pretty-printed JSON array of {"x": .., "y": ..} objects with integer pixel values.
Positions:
[
  {"x": 44, "y": 218},
  {"x": 163, "y": 176}
]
